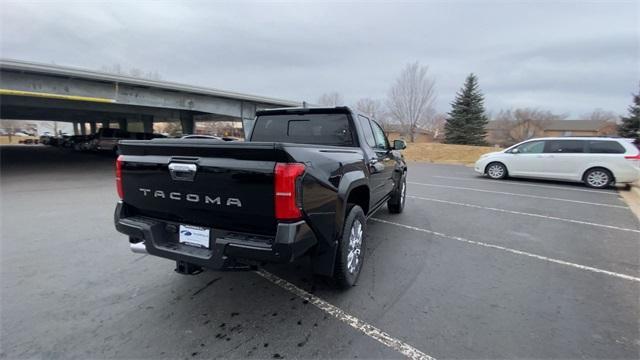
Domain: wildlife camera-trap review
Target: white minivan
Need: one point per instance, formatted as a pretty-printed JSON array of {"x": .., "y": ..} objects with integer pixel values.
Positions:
[{"x": 596, "y": 161}]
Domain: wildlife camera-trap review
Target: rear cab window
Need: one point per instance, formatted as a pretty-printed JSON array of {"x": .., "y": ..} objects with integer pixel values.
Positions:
[{"x": 307, "y": 128}]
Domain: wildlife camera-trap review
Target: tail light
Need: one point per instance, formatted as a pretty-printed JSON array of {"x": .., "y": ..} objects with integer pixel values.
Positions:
[
  {"x": 635, "y": 159},
  {"x": 286, "y": 184},
  {"x": 119, "y": 177}
]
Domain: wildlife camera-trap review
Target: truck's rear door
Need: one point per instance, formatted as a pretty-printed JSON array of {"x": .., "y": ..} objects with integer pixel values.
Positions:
[{"x": 202, "y": 182}]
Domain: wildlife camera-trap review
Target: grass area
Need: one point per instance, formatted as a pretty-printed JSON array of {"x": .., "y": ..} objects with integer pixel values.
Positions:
[{"x": 445, "y": 153}]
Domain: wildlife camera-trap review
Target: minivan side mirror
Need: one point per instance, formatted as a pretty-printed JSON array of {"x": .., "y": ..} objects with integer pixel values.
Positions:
[{"x": 399, "y": 144}]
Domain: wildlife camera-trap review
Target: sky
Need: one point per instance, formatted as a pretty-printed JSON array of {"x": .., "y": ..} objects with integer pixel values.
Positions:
[{"x": 568, "y": 57}]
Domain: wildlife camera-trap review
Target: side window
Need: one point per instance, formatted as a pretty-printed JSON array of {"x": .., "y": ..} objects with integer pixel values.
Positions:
[
  {"x": 564, "y": 146},
  {"x": 532, "y": 147},
  {"x": 605, "y": 147},
  {"x": 367, "y": 132},
  {"x": 381, "y": 138}
]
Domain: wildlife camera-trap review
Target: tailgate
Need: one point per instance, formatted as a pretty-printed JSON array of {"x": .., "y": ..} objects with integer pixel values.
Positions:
[{"x": 200, "y": 182}]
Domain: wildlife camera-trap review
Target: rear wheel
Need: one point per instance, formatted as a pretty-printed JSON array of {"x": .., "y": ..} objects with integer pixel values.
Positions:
[
  {"x": 350, "y": 249},
  {"x": 598, "y": 178},
  {"x": 398, "y": 197},
  {"x": 496, "y": 170}
]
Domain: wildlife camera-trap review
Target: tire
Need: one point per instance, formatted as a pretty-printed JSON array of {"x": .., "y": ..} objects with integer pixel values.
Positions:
[
  {"x": 496, "y": 171},
  {"x": 399, "y": 196},
  {"x": 598, "y": 178},
  {"x": 350, "y": 249}
]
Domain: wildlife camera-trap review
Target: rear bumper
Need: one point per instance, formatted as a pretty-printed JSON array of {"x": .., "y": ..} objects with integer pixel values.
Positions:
[
  {"x": 627, "y": 175},
  {"x": 228, "y": 249}
]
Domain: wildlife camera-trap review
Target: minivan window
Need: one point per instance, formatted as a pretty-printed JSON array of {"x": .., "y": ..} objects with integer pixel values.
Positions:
[
  {"x": 319, "y": 129},
  {"x": 605, "y": 147},
  {"x": 564, "y": 146},
  {"x": 532, "y": 147},
  {"x": 366, "y": 130}
]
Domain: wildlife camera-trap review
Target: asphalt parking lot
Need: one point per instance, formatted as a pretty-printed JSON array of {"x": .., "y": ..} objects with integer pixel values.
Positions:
[{"x": 473, "y": 268}]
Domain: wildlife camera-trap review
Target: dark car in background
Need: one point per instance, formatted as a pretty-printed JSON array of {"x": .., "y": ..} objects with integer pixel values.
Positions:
[{"x": 106, "y": 139}]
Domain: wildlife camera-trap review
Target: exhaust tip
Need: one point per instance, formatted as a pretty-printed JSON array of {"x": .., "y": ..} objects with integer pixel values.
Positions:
[{"x": 138, "y": 248}]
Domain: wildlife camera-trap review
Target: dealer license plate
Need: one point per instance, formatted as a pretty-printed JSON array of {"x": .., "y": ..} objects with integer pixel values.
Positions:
[{"x": 194, "y": 236}]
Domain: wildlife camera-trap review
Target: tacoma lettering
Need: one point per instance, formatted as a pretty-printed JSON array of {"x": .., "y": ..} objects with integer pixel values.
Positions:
[{"x": 194, "y": 198}]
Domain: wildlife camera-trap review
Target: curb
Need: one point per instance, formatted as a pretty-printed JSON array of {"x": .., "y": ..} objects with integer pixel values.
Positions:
[{"x": 632, "y": 198}]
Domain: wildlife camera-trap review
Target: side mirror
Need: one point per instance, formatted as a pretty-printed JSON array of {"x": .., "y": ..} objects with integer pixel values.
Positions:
[{"x": 399, "y": 144}]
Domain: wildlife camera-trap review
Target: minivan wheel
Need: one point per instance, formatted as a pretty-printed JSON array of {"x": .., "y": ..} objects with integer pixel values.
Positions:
[
  {"x": 350, "y": 249},
  {"x": 598, "y": 178},
  {"x": 496, "y": 170}
]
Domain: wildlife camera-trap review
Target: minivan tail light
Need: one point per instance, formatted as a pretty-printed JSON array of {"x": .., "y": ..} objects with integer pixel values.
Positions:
[
  {"x": 119, "y": 177},
  {"x": 287, "y": 194},
  {"x": 632, "y": 157}
]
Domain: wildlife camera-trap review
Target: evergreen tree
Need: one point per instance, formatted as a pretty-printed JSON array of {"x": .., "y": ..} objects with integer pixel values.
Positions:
[
  {"x": 467, "y": 120},
  {"x": 630, "y": 126}
]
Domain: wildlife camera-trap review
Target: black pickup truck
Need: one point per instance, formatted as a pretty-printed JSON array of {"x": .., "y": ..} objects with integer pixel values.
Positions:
[{"x": 304, "y": 183}]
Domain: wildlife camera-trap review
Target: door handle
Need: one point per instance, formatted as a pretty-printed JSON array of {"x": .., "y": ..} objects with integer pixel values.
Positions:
[{"x": 373, "y": 161}]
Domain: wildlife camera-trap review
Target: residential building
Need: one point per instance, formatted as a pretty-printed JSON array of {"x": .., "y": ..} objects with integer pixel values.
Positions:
[{"x": 505, "y": 133}]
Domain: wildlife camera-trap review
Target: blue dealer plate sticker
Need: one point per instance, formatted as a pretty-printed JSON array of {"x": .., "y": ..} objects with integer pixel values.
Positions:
[{"x": 194, "y": 236}]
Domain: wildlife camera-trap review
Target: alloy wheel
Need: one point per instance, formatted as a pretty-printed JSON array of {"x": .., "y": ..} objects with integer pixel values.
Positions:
[
  {"x": 598, "y": 178},
  {"x": 355, "y": 247},
  {"x": 495, "y": 171}
]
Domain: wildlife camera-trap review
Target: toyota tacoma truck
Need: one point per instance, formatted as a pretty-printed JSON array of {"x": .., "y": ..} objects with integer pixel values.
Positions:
[{"x": 304, "y": 183}]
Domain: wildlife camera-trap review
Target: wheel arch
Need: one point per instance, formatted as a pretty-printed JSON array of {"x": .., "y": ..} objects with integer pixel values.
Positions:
[
  {"x": 594, "y": 167},
  {"x": 323, "y": 261},
  {"x": 486, "y": 167}
]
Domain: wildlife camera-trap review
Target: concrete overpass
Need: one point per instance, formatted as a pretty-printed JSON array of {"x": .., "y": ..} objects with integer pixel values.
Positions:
[{"x": 34, "y": 91}]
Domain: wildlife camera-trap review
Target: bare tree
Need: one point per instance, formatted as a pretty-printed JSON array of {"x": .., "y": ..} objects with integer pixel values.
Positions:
[
  {"x": 369, "y": 106},
  {"x": 411, "y": 98},
  {"x": 435, "y": 124},
  {"x": 513, "y": 126},
  {"x": 170, "y": 128},
  {"x": 601, "y": 115},
  {"x": 375, "y": 109},
  {"x": 331, "y": 99}
]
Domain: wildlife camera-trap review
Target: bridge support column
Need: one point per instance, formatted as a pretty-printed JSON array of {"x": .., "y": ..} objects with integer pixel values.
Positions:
[
  {"x": 92, "y": 127},
  {"x": 83, "y": 128},
  {"x": 122, "y": 124},
  {"x": 147, "y": 123},
  {"x": 105, "y": 124},
  {"x": 75, "y": 128},
  {"x": 186, "y": 120}
]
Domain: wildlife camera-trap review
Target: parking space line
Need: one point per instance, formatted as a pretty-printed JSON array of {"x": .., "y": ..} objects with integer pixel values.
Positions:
[
  {"x": 604, "y": 192},
  {"x": 524, "y": 213},
  {"x": 513, "y": 251},
  {"x": 360, "y": 325},
  {"x": 521, "y": 195}
]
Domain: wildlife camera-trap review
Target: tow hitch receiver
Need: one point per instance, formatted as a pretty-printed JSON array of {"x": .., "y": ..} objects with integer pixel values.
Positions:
[{"x": 185, "y": 268}]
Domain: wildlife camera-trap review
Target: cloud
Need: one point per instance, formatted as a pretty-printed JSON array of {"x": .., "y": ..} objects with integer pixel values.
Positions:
[{"x": 565, "y": 56}]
